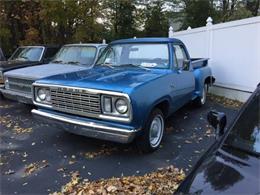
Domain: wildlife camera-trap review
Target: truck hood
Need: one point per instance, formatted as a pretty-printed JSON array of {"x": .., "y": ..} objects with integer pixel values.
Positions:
[
  {"x": 105, "y": 78},
  {"x": 46, "y": 70},
  {"x": 12, "y": 64}
]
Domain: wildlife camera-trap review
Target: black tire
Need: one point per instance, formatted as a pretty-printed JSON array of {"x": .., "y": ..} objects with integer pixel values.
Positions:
[
  {"x": 1, "y": 96},
  {"x": 200, "y": 101},
  {"x": 143, "y": 142}
]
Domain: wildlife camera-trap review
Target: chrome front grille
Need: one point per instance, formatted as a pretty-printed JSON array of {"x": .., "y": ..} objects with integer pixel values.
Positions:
[
  {"x": 78, "y": 102},
  {"x": 20, "y": 85}
]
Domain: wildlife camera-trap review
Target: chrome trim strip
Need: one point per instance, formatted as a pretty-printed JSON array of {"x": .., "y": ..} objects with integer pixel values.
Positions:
[
  {"x": 43, "y": 51},
  {"x": 95, "y": 91},
  {"x": 82, "y": 123}
]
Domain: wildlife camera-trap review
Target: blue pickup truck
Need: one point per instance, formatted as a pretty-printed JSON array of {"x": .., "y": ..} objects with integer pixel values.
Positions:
[{"x": 134, "y": 86}]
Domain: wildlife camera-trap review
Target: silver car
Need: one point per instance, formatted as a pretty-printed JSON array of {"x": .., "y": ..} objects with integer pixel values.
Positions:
[{"x": 70, "y": 58}]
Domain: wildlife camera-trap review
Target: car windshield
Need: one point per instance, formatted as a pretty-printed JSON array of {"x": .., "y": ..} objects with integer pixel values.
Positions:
[
  {"x": 81, "y": 55},
  {"x": 28, "y": 54},
  {"x": 245, "y": 135},
  {"x": 137, "y": 55}
]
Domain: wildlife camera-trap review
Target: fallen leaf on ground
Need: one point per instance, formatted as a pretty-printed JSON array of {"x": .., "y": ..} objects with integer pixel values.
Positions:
[
  {"x": 188, "y": 142},
  {"x": 10, "y": 122},
  {"x": 103, "y": 151},
  {"x": 33, "y": 167},
  {"x": 225, "y": 101},
  {"x": 9, "y": 172}
]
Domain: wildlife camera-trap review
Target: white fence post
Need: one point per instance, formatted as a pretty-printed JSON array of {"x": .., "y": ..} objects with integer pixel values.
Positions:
[
  {"x": 209, "y": 39},
  {"x": 258, "y": 48},
  {"x": 170, "y": 34}
]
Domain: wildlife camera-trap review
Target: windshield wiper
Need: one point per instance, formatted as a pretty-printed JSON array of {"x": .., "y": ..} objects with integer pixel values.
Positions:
[
  {"x": 107, "y": 64},
  {"x": 134, "y": 65},
  {"x": 24, "y": 57},
  {"x": 73, "y": 62},
  {"x": 57, "y": 61}
]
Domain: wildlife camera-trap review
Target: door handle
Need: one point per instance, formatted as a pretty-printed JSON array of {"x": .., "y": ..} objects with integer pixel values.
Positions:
[{"x": 172, "y": 86}]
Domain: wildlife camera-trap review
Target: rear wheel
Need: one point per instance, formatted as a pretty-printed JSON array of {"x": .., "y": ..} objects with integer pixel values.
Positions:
[
  {"x": 200, "y": 101},
  {"x": 153, "y": 132}
]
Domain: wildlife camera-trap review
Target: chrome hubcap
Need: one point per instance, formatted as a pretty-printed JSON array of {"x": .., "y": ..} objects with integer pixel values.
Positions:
[{"x": 156, "y": 130}]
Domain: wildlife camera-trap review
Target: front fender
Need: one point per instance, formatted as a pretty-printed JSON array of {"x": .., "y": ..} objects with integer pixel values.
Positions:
[{"x": 146, "y": 97}]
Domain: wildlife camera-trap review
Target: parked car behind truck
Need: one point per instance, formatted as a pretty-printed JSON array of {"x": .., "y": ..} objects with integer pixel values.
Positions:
[
  {"x": 25, "y": 56},
  {"x": 72, "y": 57},
  {"x": 2, "y": 56},
  {"x": 232, "y": 163},
  {"x": 135, "y": 85}
]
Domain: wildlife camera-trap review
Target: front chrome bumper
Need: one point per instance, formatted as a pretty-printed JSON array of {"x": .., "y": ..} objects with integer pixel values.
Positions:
[
  {"x": 17, "y": 96},
  {"x": 87, "y": 127}
]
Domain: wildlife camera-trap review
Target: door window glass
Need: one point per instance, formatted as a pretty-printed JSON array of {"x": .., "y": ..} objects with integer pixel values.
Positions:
[{"x": 180, "y": 55}]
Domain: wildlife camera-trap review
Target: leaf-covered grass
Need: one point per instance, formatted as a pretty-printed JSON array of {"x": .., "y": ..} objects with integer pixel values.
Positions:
[
  {"x": 225, "y": 101},
  {"x": 163, "y": 181}
]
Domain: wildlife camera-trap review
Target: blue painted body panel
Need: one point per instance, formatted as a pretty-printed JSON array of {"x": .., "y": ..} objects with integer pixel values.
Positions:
[{"x": 146, "y": 88}]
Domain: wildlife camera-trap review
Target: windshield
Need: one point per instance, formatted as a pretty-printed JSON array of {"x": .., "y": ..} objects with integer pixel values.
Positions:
[
  {"x": 28, "y": 54},
  {"x": 143, "y": 55},
  {"x": 245, "y": 135},
  {"x": 83, "y": 55}
]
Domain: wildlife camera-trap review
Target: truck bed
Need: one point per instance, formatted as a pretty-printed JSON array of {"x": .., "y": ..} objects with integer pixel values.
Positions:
[{"x": 199, "y": 62}]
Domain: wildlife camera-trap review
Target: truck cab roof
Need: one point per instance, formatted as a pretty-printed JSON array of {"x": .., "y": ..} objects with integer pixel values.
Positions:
[
  {"x": 87, "y": 44},
  {"x": 147, "y": 40}
]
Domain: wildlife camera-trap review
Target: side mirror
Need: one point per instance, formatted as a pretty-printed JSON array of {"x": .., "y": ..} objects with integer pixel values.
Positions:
[
  {"x": 218, "y": 120},
  {"x": 186, "y": 65}
]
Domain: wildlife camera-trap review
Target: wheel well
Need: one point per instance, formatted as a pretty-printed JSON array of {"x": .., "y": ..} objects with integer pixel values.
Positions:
[
  {"x": 164, "y": 107},
  {"x": 209, "y": 80}
]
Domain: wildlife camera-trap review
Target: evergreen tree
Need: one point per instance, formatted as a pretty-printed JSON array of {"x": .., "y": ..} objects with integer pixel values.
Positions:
[
  {"x": 156, "y": 24},
  {"x": 121, "y": 16}
]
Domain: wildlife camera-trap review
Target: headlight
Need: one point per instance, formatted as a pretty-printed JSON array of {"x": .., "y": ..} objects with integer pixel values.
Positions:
[
  {"x": 42, "y": 95},
  {"x": 6, "y": 83},
  {"x": 116, "y": 106},
  {"x": 121, "y": 106}
]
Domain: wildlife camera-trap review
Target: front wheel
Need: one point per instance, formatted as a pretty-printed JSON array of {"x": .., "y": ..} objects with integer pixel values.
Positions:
[
  {"x": 200, "y": 101},
  {"x": 153, "y": 132}
]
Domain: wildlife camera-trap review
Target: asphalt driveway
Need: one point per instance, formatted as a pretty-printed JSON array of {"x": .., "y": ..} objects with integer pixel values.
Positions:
[{"x": 39, "y": 159}]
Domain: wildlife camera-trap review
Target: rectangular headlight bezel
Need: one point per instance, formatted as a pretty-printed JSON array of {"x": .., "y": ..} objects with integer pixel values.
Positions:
[
  {"x": 114, "y": 112},
  {"x": 37, "y": 100}
]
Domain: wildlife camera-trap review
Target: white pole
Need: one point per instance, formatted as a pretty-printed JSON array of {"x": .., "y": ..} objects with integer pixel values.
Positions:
[
  {"x": 209, "y": 38},
  {"x": 171, "y": 32}
]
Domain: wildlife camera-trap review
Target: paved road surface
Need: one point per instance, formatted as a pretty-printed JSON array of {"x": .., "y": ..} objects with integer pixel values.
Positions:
[{"x": 58, "y": 153}]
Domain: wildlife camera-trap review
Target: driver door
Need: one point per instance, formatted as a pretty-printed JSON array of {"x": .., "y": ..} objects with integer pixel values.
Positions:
[{"x": 183, "y": 82}]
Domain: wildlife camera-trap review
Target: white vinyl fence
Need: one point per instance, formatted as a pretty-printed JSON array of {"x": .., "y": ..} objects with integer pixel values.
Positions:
[{"x": 233, "y": 49}]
